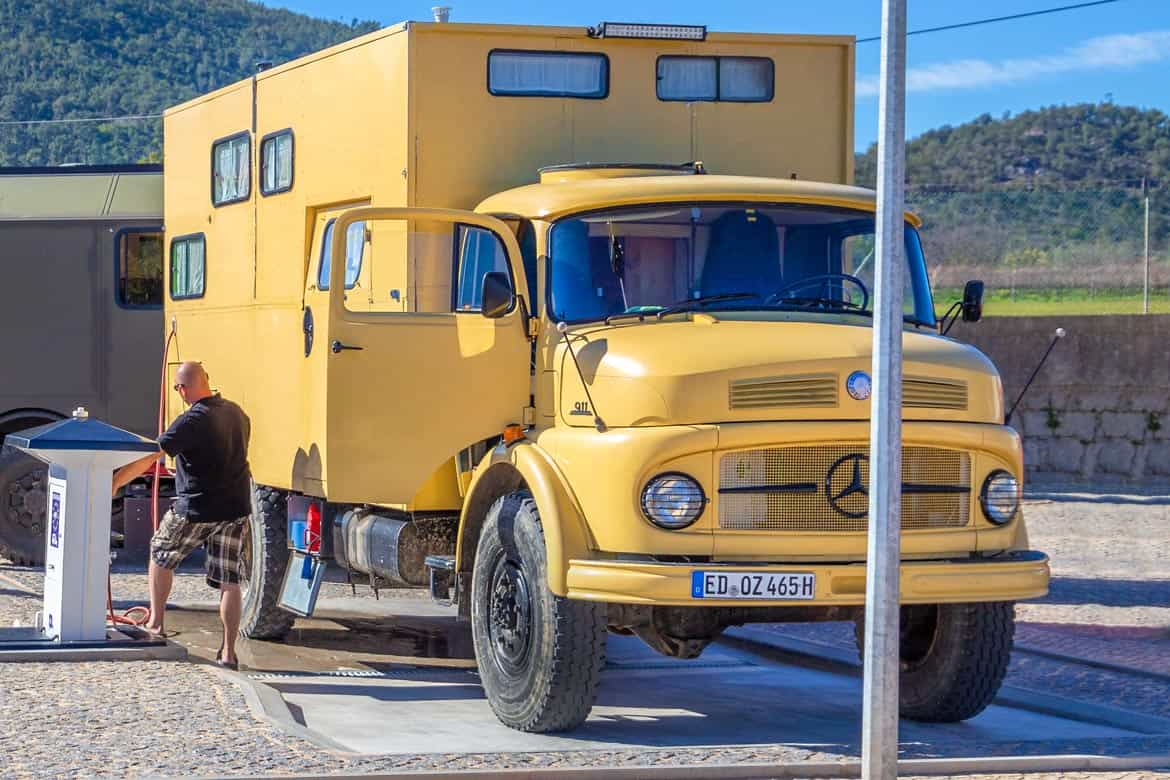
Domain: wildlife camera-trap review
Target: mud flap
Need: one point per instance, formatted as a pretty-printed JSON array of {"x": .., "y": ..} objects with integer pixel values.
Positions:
[{"x": 302, "y": 582}]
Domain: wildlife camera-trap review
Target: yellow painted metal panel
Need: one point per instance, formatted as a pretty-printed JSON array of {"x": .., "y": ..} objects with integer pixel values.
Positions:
[{"x": 451, "y": 379}]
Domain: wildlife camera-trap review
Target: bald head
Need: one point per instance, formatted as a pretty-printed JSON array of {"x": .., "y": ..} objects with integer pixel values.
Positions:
[{"x": 191, "y": 382}]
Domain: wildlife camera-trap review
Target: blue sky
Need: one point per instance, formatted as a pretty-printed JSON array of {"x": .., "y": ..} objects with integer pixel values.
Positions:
[{"x": 1120, "y": 50}]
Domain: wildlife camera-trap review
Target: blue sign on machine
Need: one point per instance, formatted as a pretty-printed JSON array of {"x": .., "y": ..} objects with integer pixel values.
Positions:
[{"x": 55, "y": 521}]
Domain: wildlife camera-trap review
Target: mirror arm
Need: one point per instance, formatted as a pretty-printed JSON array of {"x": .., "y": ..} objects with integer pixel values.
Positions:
[{"x": 953, "y": 314}]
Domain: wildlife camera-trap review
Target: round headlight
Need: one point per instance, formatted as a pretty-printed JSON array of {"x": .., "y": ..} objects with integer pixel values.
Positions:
[
  {"x": 673, "y": 501},
  {"x": 1000, "y": 497}
]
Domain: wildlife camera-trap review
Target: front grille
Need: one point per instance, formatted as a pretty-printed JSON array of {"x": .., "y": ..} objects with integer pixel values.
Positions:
[
  {"x": 788, "y": 488},
  {"x": 783, "y": 391},
  {"x": 929, "y": 393}
]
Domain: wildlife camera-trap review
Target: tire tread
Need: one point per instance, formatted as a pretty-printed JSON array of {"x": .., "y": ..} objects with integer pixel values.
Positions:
[{"x": 263, "y": 619}]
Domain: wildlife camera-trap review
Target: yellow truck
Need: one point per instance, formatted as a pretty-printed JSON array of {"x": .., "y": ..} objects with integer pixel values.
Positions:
[
  {"x": 81, "y": 304},
  {"x": 498, "y": 340}
]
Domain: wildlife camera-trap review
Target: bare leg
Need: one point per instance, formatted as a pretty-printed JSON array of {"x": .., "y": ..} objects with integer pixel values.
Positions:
[
  {"x": 160, "y": 589},
  {"x": 229, "y": 613}
]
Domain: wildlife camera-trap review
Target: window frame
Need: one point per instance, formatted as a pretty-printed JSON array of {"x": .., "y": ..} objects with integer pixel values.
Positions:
[
  {"x": 328, "y": 228},
  {"x": 218, "y": 142},
  {"x": 171, "y": 262},
  {"x": 555, "y": 52},
  {"x": 292, "y": 161},
  {"x": 718, "y": 59},
  {"x": 457, "y": 268},
  {"x": 118, "y": 236}
]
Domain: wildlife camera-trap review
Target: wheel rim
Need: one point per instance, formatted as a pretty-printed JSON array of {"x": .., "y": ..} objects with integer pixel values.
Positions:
[
  {"x": 510, "y": 617},
  {"x": 918, "y": 630},
  {"x": 246, "y": 559},
  {"x": 26, "y": 503}
]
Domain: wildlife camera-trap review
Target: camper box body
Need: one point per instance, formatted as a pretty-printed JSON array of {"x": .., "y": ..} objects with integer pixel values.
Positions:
[{"x": 405, "y": 117}]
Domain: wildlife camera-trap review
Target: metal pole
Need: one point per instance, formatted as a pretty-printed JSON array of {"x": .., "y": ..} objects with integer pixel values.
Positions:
[
  {"x": 879, "y": 725},
  {"x": 1146, "y": 289}
]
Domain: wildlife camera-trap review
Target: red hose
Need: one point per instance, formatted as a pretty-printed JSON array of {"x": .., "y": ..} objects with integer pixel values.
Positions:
[{"x": 144, "y": 612}]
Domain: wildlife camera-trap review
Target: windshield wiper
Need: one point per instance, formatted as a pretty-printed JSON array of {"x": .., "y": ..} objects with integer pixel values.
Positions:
[
  {"x": 832, "y": 305},
  {"x": 697, "y": 303}
]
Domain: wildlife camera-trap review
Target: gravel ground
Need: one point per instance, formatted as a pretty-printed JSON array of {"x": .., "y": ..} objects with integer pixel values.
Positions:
[{"x": 1110, "y": 601}]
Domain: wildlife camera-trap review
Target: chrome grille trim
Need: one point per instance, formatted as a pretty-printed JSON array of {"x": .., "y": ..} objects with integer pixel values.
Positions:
[
  {"x": 784, "y": 489},
  {"x": 783, "y": 391},
  {"x": 932, "y": 393}
]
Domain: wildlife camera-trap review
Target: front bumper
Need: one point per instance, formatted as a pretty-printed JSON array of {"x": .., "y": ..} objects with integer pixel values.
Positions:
[{"x": 1009, "y": 577}]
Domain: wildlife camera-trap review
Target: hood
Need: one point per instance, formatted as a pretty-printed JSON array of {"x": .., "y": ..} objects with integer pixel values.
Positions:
[{"x": 711, "y": 369}]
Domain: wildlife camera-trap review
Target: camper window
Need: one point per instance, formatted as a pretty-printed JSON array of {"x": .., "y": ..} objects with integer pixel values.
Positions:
[
  {"x": 139, "y": 268},
  {"x": 725, "y": 79},
  {"x": 276, "y": 162},
  {"x": 231, "y": 164},
  {"x": 548, "y": 74},
  {"x": 188, "y": 266}
]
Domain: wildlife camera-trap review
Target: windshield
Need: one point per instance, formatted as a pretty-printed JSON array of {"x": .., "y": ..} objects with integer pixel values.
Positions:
[{"x": 683, "y": 257}]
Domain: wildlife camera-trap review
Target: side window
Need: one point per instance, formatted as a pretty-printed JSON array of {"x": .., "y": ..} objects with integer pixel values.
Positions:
[
  {"x": 139, "y": 268},
  {"x": 231, "y": 165},
  {"x": 355, "y": 242},
  {"x": 276, "y": 162},
  {"x": 480, "y": 253},
  {"x": 726, "y": 79},
  {"x": 188, "y": 266},
  {"x": 548, "y": 74}
]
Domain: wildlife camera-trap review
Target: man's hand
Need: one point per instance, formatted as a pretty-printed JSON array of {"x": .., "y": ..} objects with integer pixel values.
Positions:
[{"x": 128, "y": 473}]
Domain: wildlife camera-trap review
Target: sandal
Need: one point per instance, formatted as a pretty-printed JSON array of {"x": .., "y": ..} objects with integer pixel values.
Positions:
[{"x": 233, "y": 666}]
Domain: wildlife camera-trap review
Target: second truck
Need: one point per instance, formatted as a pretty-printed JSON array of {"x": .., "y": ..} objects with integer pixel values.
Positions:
[{"x": 497, "y": 339}]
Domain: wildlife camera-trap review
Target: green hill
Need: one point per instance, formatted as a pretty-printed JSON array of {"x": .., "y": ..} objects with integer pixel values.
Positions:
[
  {"x": 95, "y": 58},
  {"x": 1044, "y": 203},
  {"x": 1087, "y": 145}
]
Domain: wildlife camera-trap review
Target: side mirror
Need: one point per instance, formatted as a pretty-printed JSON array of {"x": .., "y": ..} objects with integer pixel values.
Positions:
[
  {"x": 498, "y": 297},
  {"x": 973, "y": 301}
]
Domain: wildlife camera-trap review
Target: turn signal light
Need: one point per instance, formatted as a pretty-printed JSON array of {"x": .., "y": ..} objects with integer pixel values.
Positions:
[{"x": 513, "y": 433}]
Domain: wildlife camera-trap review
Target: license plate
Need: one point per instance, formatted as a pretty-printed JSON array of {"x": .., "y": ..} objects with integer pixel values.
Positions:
[{"x": 753, "y": 585}]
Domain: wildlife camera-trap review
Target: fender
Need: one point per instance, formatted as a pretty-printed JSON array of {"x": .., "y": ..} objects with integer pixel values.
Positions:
[{"x": 526, "y": 465}]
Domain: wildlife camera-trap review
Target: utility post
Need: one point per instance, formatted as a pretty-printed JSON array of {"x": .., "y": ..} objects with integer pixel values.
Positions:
[
  {"x": 1146, "y": 253},
  {"x": 879, "y": 726}
]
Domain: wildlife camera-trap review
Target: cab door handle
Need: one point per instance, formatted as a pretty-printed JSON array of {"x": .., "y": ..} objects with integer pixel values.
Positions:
[{"x": 337, "y": 346}]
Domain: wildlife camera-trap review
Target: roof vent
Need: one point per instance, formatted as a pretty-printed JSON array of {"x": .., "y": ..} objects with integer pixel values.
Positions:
[{"x": 442, "y": 13}]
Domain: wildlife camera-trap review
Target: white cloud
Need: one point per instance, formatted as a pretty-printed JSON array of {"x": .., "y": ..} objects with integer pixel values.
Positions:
[{"x": 1109, "y": 51}]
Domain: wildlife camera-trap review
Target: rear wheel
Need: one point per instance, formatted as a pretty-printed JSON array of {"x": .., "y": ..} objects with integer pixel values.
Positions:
[
  {"x": 263, "y": 558},
  {"x": 952, "y": 658},
  {"x": 539, "y": 655},
  {"x": 23, "y": 487}
]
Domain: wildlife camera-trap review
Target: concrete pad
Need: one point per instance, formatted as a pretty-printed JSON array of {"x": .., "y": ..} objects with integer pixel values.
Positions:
[
  {"x": 725, "y": 698},
  {"x": 24, "y": 644}
]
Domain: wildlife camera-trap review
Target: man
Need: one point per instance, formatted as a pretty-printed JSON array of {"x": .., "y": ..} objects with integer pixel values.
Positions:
[{"x": 209, "y": 443}]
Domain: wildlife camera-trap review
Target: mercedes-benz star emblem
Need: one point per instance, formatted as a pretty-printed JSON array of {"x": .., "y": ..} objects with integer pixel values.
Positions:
[{"x": 845, "y": 487}]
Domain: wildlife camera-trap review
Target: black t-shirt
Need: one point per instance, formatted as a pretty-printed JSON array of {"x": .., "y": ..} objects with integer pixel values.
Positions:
[{"x": 209, "y": 443}]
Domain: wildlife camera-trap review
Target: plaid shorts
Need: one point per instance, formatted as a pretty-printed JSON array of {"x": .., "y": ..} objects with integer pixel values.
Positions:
[{"x": 176, "y": 538}]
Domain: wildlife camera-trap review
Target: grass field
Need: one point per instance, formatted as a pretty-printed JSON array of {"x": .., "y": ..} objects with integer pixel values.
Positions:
[{"x": 1051, "y": 302}]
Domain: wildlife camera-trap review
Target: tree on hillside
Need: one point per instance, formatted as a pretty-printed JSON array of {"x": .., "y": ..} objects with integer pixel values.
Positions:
[{"x": 99, "y": 58}]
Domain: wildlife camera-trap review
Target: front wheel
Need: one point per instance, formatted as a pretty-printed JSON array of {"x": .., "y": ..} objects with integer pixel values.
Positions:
[
  {"x": 264, "y": 556},
  {"x": 540, "y": 656},
  {"x": 952, "y": 658}
]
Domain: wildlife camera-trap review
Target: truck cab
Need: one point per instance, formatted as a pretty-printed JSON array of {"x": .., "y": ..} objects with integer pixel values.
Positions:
[{"x": 624, "y": 397}]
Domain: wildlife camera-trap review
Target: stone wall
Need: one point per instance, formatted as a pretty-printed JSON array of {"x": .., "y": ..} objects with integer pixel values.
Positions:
[{"x": 1099, "y": 411}]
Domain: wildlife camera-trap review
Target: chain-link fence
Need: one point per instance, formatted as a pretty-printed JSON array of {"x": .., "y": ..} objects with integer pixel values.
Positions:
[{"x": 1073, "y": 251}]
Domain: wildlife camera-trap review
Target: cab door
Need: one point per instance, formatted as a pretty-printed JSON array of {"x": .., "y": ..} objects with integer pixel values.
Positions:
[{"x": 416, "y": 372}]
